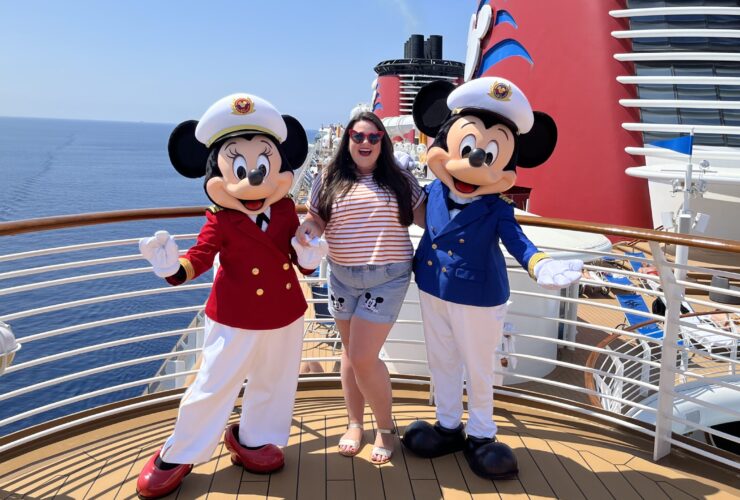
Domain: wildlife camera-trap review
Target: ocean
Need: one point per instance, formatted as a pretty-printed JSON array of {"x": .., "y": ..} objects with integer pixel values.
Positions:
[{"x": 62, "y": 167}]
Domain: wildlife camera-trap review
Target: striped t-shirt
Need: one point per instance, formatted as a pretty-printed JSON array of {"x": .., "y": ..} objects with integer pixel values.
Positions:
[{"x": 364, "y": 227}]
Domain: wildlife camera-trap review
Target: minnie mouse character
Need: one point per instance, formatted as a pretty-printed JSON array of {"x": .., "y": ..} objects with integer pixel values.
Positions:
[
  {"x": 254, "y": 314},
  {"x": 483, "y": 130}
]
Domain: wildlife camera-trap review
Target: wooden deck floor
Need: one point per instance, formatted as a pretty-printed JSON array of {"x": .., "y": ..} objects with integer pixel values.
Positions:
[{"x": 559, "y": 457}]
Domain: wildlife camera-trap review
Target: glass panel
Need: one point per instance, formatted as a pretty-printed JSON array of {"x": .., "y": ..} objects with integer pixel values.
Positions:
[
  {"x": 689, "y": 43},
  {"x": 700, "y": 116},
  {"x": 710, "y": 140},
  {"x": 643, "y": 4},
  {"x": 731, "y": 117},
  {"x": 723, "y": 22},
  {"x": 727, "y": 69},
  {"x": 656, "y": 92},
  {"x": 693, "y": 69},
  {"x": 697, "y": 92},
  {"x": 649, "y": 137},
  {"x": 648, "y": 23},
  {"x": 659, "y": 115},
  {"x": 650, "y": 44},
  {"x": 733, "y": 141},
  {"x": 724, "y": 44},
  {"x": 687, "y": 22},
  {"x": 653, "y": 69},
  {"x": 729, "y": 93}
]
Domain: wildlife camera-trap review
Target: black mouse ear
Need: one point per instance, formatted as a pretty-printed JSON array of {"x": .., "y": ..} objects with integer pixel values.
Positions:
[
  {"x": 295, "y": 146},
  {"x": 430, "y": 109},
  {"x": 536, "y": 146},
  {"x": 187, "y": 154}
]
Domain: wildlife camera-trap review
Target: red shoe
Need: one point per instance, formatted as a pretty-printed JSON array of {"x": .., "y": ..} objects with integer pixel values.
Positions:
[
  {"x": 154, "y": 482},
  {"x": 264, "y": 460}
]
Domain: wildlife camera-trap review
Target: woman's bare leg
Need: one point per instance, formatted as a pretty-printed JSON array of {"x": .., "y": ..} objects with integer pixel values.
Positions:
[
  {"x": 353, "y": 398},
  {"x": 365, "y": 341}
]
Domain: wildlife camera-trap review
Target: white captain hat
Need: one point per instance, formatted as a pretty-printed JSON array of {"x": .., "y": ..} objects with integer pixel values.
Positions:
[
  {"x": 237, "y": 113},
  {"x": 497, "y": 95}
]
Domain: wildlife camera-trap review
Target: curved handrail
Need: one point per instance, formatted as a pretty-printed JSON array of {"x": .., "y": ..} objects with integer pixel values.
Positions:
[
  {"x": 67, "y": 221},
  {"x": 89, "y": 219},
  {"x": 594, "y": 356},
  {"x": 633, "y": 233}
]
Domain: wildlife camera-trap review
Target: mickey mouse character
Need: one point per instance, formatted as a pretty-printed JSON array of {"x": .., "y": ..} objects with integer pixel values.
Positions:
[
  {"x": 338, "y": 302},
  {"x": 372, "y": 302},
  {"x": 254, "y": 314},
  {"x": 483, "y": 130}
]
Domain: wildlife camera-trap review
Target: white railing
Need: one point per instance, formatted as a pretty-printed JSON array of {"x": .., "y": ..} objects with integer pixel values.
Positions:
[
  {"x": 677, "y": 11},
  {"x": 677, "y": 56},
  {"x": 679, "y": 80},
  {"x": 677, "y": 32},
  {"x": 596, "y": 365},
  {"x": 667, "y": 127},
  {"x": 677, "y": 103}
]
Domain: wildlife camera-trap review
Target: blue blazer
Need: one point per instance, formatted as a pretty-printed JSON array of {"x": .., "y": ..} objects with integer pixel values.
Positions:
[{"x": 459, "y": 260}]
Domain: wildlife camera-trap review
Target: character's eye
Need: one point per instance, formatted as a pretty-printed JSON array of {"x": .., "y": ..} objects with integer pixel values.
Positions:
[
  {"x": 263, "y": 165},
  {"x": 491, "y": 152},
  {"x": 240, "y": 167},
  {"x": 467, "y": 146}
]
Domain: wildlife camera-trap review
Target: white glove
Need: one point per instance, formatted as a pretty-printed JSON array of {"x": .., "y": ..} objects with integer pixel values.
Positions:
[
  {"x": 161, "y": 251},
  {"x": 555, "y": 274},
  {"x": 404, "y": 160},
  {"x": 8, "y": 343},
  {"x": 310, "y": 257}
]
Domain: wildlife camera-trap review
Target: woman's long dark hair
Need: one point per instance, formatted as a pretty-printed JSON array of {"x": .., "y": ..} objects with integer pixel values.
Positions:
[{"x": 340, "y": 174}]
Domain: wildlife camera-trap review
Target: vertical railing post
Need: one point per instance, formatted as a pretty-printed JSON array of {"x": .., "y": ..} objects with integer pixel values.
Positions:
[
  {"x": 733, "y": 352},
  {"x": 620, "y": 389},
  {"x": 647, "y": 354},
  {"x": 667, "y": 381},
  {"x": 324, "y": 269},
  {"x": 571, "y": 313}
]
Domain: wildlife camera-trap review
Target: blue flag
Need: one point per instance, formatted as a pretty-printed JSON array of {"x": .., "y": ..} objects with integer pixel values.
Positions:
[{"x": 680, "y": 145}]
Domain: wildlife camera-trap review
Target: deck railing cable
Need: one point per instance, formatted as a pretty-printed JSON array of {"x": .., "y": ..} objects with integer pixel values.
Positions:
[{"x": 575, "y": 346}]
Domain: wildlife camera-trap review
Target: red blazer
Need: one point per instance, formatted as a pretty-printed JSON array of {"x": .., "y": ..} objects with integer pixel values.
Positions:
[{"x": 256, "y": 287}]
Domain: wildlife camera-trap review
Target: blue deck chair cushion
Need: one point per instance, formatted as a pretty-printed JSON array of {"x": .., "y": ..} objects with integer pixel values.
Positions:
[{"x": 636, "y": 302}]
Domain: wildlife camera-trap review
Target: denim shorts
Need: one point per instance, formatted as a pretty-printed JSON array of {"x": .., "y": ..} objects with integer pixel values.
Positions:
[{"x": 372, "y": 292}]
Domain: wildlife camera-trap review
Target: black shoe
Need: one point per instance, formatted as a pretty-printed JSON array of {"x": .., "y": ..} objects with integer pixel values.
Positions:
[
  {"x": 429, "y": 441},
  {"x": 490, "y": 459}
]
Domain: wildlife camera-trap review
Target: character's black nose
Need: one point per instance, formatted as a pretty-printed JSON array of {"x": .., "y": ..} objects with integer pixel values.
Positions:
[
  {"x": 477, "y": 157},
  {"x": 255, "y": 177}
]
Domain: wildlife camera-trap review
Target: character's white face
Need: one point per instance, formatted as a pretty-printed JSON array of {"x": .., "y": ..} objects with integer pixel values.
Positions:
[
  {"x": 475, "y": 159},
  {"x": 250, "y": 178}
]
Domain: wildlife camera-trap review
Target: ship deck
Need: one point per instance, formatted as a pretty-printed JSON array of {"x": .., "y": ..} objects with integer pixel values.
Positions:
[{"x": 560, "y": 456}]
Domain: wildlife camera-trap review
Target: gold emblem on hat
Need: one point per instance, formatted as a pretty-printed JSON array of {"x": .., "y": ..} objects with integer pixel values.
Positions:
[
  {"x": 500, "y": 91},
  {"x": 242, "y": 106}
]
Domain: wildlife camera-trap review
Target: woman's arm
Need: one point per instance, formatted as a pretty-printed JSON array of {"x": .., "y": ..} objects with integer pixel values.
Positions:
[
  {"x": 420, "y": 213},
  {"x": 418, "y": 199},
  {"x": 312, "y": 227}
]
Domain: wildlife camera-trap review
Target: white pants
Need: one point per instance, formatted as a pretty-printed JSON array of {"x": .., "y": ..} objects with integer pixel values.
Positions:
[
  {"x": 269, "y": 360},
  {"x": 461, "y": 343}
]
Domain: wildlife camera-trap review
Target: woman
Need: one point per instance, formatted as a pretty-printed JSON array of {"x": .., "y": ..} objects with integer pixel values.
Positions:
[{"x": 365, "y": 203}]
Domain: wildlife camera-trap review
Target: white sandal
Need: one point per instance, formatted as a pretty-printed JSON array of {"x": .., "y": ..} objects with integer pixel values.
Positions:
[
  {"x": 384, "y": 453},
  {"x": 353, "y": 444}
]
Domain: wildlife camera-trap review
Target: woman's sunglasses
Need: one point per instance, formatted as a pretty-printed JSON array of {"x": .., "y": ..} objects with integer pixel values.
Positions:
[{"x": 359, "y": 137}]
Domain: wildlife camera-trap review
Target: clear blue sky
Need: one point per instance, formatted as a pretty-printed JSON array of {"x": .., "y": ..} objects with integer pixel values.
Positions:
[{"x": 167, "y": 61}]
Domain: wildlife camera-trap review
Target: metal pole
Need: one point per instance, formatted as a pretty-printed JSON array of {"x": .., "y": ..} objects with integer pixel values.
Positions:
[
  {"x": 684, "y": 224},
  {"x": 673, "y": 293},
  {"x": 571, "y": 312},
  {"x": 685, "y": 217}
]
